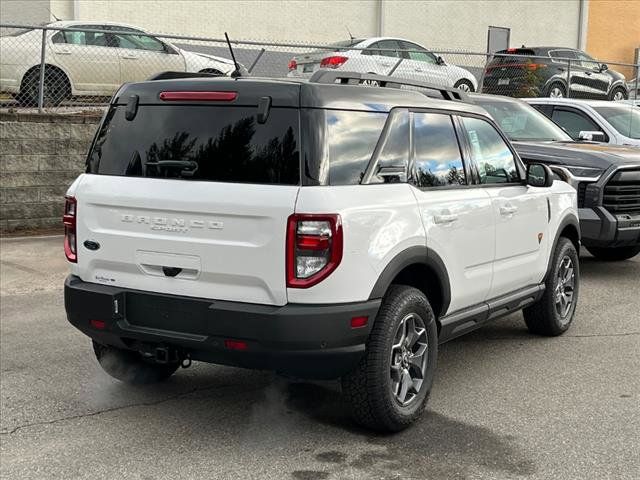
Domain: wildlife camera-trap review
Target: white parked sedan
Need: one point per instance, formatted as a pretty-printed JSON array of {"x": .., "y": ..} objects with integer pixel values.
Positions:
[
  {"x": 380, "y": 55},
  {"x": 92, "y": 63},
  {"x": 598, "y": 120}
]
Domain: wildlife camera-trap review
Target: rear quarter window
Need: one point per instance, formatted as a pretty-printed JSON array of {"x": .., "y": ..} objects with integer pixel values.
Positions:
[
  {"x": 339, "y": 144},
  {"x": 214, "y": 143}
]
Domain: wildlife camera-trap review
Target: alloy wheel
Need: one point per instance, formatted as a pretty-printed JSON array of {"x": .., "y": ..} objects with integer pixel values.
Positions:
[
  {"x": 565, "y": 289},
  {"x": 556, "y": 92},
  {"x": 408, "y": 359}
]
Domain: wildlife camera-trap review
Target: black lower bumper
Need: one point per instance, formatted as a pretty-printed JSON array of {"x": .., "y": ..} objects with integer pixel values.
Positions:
[
  {"x": 600, "y": 228},
  {"x": 311, "y": 341}
]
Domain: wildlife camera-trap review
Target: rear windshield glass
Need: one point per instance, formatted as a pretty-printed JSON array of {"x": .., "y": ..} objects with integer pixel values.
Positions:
[
  {"x": 517, "y": 55},
  {"x": 210, "y": 143}
]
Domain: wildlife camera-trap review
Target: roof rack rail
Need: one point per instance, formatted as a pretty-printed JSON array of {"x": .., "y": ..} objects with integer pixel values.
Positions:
[
  {"x": 174, "y": 75},
  {"x": 356, "y": 78}
]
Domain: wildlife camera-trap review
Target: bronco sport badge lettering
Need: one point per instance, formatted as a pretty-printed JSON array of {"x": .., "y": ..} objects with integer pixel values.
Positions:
[{"x": 166, "y": 224}]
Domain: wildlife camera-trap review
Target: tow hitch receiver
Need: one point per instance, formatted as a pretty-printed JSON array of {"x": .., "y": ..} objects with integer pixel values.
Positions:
[{"x": 166, "y": 355}]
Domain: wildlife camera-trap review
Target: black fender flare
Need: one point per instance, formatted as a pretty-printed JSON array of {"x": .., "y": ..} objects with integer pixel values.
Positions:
[
  {"x": 570, "y": 219},
  {"x": 415, "y": 255}
]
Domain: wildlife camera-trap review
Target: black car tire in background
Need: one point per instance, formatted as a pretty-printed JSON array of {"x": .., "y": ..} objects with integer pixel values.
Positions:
[
  {"x": 57, "y": 87},
  {"x": 619, "y": 92},
  {"x": 464, "y": 85},
  {"x": 614, "y": 254},
  {"x": 556, "y": 90}
]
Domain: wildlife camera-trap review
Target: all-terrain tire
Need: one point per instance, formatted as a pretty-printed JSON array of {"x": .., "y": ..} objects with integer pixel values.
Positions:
[
  {"x": 368, "y": 388},
  {"x": 546, "y": 317}
]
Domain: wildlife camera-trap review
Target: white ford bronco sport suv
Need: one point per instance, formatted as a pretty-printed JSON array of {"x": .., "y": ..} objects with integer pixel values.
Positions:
[{"x": 320, "y": 229}]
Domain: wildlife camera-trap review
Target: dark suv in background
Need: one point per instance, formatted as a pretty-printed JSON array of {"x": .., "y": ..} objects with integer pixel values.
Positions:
[{"x": 546, "y": 72}]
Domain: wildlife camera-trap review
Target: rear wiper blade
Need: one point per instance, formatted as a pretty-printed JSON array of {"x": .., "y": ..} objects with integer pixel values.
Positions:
[{"x": 189, "y": 167}]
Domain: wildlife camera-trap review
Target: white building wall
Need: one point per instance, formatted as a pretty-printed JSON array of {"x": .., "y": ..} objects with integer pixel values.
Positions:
[
  {"x": 32, "y": 12},
  {"x": 456, "y": 24},
  {"x": 438, "y": 24},
  {"x": 296, "y": 20}
]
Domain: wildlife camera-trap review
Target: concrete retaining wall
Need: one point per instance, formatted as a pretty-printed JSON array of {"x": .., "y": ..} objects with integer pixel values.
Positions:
[{"x": 40, "y": 155}]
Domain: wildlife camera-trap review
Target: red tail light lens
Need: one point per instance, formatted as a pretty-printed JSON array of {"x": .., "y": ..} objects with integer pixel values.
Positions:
[
  {"x": 535, "y": 66},
  {"x": 293, "y": 64},
  {"x": 314, "y": 248},
  {"x": 69, "y": 221},
  {"x": 333, "y": 62},
  {"x": 198, "y": 96}
]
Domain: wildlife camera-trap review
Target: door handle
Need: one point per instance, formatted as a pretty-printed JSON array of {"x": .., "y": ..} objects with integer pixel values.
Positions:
[
  {"x": 419, "y": 70},
  {"x": 130, "y": 57},
  {"x": 63, "y": 51},
  {"x": 385, "y": 64},
  {"x": 445, "y": 218},
  {"x": 508, "y": 210}
]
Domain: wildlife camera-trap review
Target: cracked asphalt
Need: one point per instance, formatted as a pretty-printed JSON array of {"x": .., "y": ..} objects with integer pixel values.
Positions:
[{"x": 505, "y": 404}]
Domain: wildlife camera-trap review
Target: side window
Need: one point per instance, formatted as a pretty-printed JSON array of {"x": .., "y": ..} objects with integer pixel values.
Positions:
[
  {"x": 563, "y": 54},
  {"x": 59, "y": 38},
  {"x": 94, "y": 39},
  {"x": 371, "y": 49},
  {"x": 140, "y": 42},
  {"x": 352, "y": 138},
  {"x": 393, "y": 158},
  {"x": 437, "y": 160},
  {"x": 574, "y": 122},
  {"x": 389, "y": 48},
  {"x": 490, "y": 153},
  {"x": 416, "y": 52},
  {"x": 71, "y": 38},
  {"x": 586, "y": 61}
]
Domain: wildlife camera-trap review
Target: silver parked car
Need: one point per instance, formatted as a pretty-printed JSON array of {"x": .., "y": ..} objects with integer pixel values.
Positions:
[
  {"x": 380, "y": 55},
  {"x": 598, "y": 120}
]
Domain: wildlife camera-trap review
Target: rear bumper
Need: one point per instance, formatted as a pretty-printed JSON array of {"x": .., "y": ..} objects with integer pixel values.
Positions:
[{"x": 311, "y": 341}]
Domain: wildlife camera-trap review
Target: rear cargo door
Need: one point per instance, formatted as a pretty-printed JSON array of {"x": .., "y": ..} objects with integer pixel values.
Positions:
[{"x": 190, "y": 200}]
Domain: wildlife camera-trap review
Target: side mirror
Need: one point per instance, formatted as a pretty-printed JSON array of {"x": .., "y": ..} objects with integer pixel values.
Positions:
[
  {"x": 539, "y": 175},
  {"x": 591, "y": 136},
  {"x": 603, "y": 67},
  {"x": 440, "y": 61}
]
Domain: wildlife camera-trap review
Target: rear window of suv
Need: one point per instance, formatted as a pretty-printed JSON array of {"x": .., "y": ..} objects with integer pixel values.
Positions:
[{"x": 206, "y": 143}]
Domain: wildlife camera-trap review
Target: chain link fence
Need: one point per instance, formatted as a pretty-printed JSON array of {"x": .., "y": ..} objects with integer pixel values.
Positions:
[{"x": 53, "y": 68}]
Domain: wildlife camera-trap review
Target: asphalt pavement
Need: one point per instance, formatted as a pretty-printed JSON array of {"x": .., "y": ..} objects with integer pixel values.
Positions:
[{"x": 505, "y": 404}]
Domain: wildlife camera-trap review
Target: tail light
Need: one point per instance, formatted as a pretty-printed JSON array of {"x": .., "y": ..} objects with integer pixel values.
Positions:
[
  {"x": 535, "y": 66},
  {"x": 69, "y": 221},
  {"x": 293, "y": 64},
  {"x": 314, "y": 248},
  {"x": 333, "y": 62}
]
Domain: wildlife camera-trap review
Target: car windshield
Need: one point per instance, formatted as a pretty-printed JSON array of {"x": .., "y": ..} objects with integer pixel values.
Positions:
[
  {"x": 522, "y": 122},
  {"x": 625, "y": 119}
]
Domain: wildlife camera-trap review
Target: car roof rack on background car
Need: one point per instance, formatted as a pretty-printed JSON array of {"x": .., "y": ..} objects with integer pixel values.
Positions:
[{"x": 356, "y": 78}]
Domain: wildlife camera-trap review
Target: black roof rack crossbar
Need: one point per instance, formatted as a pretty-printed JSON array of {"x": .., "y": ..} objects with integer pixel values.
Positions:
[
  {"x": 175, "y": 75},
  {"x": 356, "y": 78}
]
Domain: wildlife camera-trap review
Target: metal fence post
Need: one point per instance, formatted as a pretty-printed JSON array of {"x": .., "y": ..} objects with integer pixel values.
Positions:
[
  {"x": 42, "y": 63},
  {"x": 395, "y": 66},
  {"x": 568, "y": 78}
]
